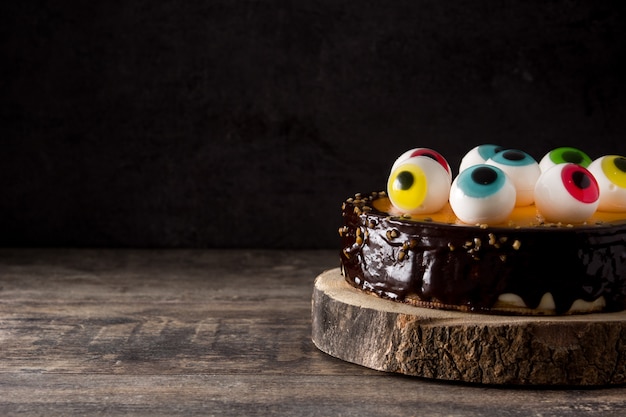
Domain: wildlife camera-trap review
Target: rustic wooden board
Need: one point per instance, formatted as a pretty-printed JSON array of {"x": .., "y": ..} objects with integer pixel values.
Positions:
[
  {"x": 576, "y": 350},
  {"x": 209, "y": 332}
]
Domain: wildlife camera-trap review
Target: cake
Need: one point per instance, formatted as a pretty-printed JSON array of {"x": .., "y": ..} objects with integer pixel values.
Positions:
[{"x": 522, "y": 263}]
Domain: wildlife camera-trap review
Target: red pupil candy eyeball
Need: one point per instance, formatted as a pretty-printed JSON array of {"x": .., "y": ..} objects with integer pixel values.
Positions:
[
  {"x": 580, "y": 184},
  {"x": 429, "y": 153},
  {"x": 567, "y": 193}
]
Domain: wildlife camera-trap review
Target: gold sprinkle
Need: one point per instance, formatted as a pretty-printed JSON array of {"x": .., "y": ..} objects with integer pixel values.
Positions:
[
  {"x": 392, "y": 234},
  {"x": 401, "y": 255},
  {"x": 483, "y": 225},
  {"x": 358, "y": 195},
  {"x": 450, "y": 246},
  {"x": 517, "y": 244},
  {"x": 477, "y": 243},
  {"x": 342, "y": 231},
  {"x": 367, "y": 208},
  {"x": 413, "y": 243},
  {"x": 359, "y": 240},
  {"x": 467, "y": 244},
  {"x": 503, "y": 239},
  {"x": 357, "y": 210},
  {"x": 346, "y": 253},
  {"x": 492, "y": 239},
  {"x": 503, "y": 258},
  {"x": 358, "y": 232}
]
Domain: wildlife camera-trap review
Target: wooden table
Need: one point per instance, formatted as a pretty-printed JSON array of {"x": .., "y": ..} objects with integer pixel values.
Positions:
[{"x": 209, "y": 332}]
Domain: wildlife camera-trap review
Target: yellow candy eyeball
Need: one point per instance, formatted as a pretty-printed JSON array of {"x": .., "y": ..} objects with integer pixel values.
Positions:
[
  {"x": 479, "y": 155},
  {"x": 567, "y": 193},
  {"x": 430, "y": 153},
  {"x": 419, "y": 185},
  {"x": 482, "y": 194},
  {"x": 610, "y": 172},
  {"x": 523, "y": 170},
  {"x": 564, "y": 155}
]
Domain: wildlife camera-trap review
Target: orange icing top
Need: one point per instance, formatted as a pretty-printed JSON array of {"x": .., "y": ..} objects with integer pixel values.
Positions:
[{"x": 527, "y": 216}]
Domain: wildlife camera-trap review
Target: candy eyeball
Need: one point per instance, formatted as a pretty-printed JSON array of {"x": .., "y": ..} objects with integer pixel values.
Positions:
[
  {"x": 610, "y": 172},
  {"x": 482, "y": 194},
  {"x": 427, "y": 152},
  {"x": 564, "y": 155},
  {"x": 567, "y": 193},
  {"x": 479, "y": 155},
  {"x": 418, "y": 185},
  {"x": 523, "y": 171}
]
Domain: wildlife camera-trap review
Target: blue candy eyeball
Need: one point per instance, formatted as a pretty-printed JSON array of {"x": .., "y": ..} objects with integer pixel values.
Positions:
[
  {"x": 564, "y": 155},
  {"x": 567, "y": 193},
  {"x": 418, "y": 185},
  {"x": 479, "y": 155},
  {"x": 610, "y": 172},
  {"x": 523, "y": 170},
  {"x": 482, "y": 194},
  {"x": 426, "y": 152}
]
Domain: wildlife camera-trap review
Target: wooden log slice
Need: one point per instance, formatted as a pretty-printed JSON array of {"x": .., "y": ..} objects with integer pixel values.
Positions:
[{"x": 574, "y": 350}]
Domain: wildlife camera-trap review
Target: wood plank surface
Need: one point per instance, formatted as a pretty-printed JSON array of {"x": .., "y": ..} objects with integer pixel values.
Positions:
[{"x": 209, "y": 332}]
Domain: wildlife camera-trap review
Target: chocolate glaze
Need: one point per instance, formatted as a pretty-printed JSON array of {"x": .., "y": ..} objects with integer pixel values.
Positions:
[{"x": 468, "y": 267}]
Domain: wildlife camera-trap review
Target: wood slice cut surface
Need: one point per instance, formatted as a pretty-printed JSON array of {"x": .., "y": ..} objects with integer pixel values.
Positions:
[{"x": 573, "y": 350}]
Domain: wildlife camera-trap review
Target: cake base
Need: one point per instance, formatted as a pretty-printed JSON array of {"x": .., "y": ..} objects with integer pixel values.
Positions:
[{"x": 573, "y": 350}]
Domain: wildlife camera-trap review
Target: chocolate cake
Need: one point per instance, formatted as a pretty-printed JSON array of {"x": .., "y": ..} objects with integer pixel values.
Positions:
[{"x": 523, "y": 265}]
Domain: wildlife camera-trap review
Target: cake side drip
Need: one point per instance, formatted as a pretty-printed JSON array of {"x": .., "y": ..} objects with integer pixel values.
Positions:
[{"x": 469, "y": 267}]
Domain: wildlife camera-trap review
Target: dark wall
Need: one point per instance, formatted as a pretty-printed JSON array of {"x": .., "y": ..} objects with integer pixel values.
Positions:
[{"x": 245, "y": 123}]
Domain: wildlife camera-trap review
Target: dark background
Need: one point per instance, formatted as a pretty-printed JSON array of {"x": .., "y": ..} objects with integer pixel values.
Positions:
[{"x": 246, "y": 123}]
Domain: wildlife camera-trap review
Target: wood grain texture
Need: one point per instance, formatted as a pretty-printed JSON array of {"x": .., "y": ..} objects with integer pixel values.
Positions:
[
  {"x": 455, "y": 346},
  {"x": 218, "y": 332}
]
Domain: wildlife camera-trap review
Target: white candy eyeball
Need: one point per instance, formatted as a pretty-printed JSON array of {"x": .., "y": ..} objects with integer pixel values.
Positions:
[
  {"x": 482, "y": 194},
  {"x": 564, "y": 155},
  {"x": 479, "y": 155},
  {"x": 523, "y": 171},
  {"x": 419, "y": 185},
  {"x": 610, "y": 172},
  {"x": 567, "y": 193},
  {"x": 427, "y": 152}
]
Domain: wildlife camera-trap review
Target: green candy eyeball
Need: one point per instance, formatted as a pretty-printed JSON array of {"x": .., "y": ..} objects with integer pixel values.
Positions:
[{"x": 564, "y": 155}]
